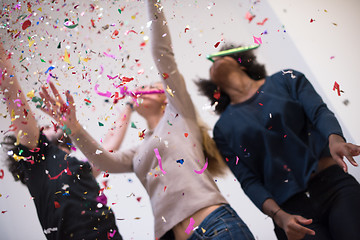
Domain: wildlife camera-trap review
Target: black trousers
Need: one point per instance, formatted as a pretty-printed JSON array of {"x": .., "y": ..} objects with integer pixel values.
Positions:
[{"x": 332, "y": 201}]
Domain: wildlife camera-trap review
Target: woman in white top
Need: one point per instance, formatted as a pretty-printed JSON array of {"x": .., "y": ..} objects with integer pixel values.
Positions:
[{"x": 169, "y": 156}]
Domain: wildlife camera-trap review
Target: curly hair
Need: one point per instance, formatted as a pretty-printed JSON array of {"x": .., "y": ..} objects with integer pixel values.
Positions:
[
  {"x": 253, "y": 69},
  {"x": 15, "y": 166}
]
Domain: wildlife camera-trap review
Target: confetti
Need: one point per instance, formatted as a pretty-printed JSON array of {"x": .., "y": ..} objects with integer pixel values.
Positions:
[
  {"x": 49, "y": 69},
  {"x": 181, "y": 161},
  {"x": 2, "y": 173},
  {"x": 186, "y": 135},
  {"x": 312, "y": 20},
  {"x": 165, "y": 75},
  {"x": 66, "y": 57},
  {"x": 203, "y": 169},
  {"x": 133, "y": 125},
  {"x": 249, "y": 16},
  {"x": 263, "y": 22},
  {"x": 159, "y": 160},
  {"x": 216, "y": 44},
  {"x": 169, "y": 91},
  {"x": 257, "y": 40},
  {"x": 106, "y": 94},
  {"x": 336, "y": 87},
  {"x": 26, "y": 24},
  {"x": 190, "y": 227},
  {"x": 111, "y": 235},
  {"x": 70, "y": 24},
  {"x": 57, "y": 204},
  {"x": 101, "y": 124}
]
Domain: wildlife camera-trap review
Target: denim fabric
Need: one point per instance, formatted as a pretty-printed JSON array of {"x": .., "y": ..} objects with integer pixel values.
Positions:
[
  {"x": 332, "y": 201},
  {"x": 222, "y": 224}
]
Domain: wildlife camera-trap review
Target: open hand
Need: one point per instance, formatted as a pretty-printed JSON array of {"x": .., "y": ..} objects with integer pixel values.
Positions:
[
  {"x": 63, "y": 112},
  {"x": 340, "y": 149}
]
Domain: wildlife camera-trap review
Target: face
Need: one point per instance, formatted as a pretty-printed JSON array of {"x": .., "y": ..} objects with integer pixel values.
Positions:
[
  {"x": 156, "y": 100},
  {"x": 221, "y": 69}
]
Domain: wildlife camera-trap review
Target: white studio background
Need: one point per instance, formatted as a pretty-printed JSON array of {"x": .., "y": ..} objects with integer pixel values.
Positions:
[{"x": 289, "y": 41}]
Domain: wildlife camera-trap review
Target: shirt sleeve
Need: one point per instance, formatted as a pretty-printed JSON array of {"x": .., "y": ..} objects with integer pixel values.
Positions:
[
  {"x": 250, "y": 182},
  {"x": 315, "y": 109},
  {"x": 173, "y": 81}
]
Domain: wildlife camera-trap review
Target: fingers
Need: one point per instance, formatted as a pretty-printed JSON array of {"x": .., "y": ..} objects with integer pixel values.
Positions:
[
  {"x": 301, "y": 229},
  {"x": 56, "y": 93},
  {"x": 341, "y": 163}
]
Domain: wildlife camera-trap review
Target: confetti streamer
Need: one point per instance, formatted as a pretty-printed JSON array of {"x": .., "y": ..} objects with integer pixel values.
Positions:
[
  {"x": 106, "y": 94},
  {"x": 159, "y": 159},
  {"x": 190, "y": 227},
  {"x": 203, "y": 169},
  {"x": 70, "y": 24}
]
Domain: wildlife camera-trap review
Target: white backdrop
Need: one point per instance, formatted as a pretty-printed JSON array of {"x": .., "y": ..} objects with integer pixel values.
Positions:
[{"x": 322, "y": 50}]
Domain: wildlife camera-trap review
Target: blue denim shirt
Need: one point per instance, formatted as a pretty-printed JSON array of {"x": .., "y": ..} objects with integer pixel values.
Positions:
[{"x": 272, "y": 142}]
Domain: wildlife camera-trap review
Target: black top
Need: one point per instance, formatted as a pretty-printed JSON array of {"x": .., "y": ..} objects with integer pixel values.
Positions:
[
  {"x": 64, "y": 192},
  {"x": 272, "y": 142}
]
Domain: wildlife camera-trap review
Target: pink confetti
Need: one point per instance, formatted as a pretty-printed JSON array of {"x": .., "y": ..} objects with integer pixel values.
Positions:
[
  {"x": 110, "y": 77},
  {"x": 203, "y": 169},
  {"x": 106, "y": 94},
  {"x": 102, "y": 69},
  {"x": 249, "y": 16},
  {"x": 18, "y": 104},
  {"x": 111, "y": 235},
  {"x": 190, "y": 227},
  {"x": 257, "y": 40},
  {"x": 109, "y": 55},
  {"x": 159, "y": 159}
]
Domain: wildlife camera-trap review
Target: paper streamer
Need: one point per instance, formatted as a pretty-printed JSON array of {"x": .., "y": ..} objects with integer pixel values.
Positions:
[
  {"x": 159, "y": 159},
  {"x": 203, "y": 169},
  {"x": 190, "y": 227},
  {"x": 106, "y": 94}
]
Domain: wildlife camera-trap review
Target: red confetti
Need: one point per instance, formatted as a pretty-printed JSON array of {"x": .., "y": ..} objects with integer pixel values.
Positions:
[
  {"x": 2, "y": 174},
  {"x": 138, "y": 199},
  {"x": 261, "y": 104},
  {"x": 165, "y": 75},
  {"x": 186, "y": 134},
  {"x": 216, "y": 95},
  {"x": 186, "y": 29},
  {"x": 57, "y": 204},
  {"x": 336, "y": 87},
  {"x": 26, "y": 24},
  {"x": 249, "y": 16},
  {"x": 87, "y": 100},
  {"x": 312, "y": 20},
  {"x": 263, "y": 22},
  {"x": 165, "y": 188},
  {"x": 115, "y": 33},
  {"x": 216, "y": 44}
]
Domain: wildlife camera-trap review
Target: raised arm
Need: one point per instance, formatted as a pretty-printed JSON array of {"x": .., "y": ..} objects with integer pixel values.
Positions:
[
  {"x": 22, "y": 118},
  {"x": 65, "y": 114},
  {"x": 163, "y": 56}
]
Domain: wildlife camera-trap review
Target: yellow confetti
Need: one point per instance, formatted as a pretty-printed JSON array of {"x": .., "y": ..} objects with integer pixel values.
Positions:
[
  {"x": 31, "y": 42},
  {"x": 169, "y": 90},
  {"x": 17, "y": 158},
  {"x": 40, "y": 9},
  {"x": 31, "y": 94},
  {"x": 66, "y": 57},
  {"x": 203, "y": 230}
]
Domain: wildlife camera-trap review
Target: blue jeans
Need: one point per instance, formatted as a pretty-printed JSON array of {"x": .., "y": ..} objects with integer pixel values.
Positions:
[{"x": 222, "y": 224}]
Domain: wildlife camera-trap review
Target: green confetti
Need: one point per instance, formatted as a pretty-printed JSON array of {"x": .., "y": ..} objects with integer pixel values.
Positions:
[
  {"x": 119, "y": 11},
  {"x": 133, "y": 125},
  {"x": 169, "y": 123},
  {"x": 101, "y": 124},
  {"x": 43, "y": 60},
  {"x": 59, "y": 46}
]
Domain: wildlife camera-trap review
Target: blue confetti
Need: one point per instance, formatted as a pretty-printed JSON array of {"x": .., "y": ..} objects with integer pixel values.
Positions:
[
  {"x": 181, "y": 161},
  {"x": 50, "y": 68}
]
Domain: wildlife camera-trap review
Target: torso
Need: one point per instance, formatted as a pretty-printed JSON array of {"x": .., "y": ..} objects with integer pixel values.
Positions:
[{"x": 199, "y": 216}]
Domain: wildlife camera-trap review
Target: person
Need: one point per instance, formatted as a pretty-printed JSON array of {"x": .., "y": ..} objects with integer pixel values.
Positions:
[
  {"x": 65, "y": 193},
  {"x": 185, "y": 200},
  {"x": 285, "y": 147}
]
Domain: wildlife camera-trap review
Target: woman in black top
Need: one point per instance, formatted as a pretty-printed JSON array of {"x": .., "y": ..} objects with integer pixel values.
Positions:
[{"x": 65, "y": 193}]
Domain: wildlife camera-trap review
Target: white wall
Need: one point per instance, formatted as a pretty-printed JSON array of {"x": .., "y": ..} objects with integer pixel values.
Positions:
[{"x": 304, "y": 46}]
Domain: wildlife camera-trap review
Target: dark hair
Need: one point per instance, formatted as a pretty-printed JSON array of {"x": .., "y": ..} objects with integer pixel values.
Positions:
[
  {"x": 14, "y": 166},
  {"x": 253, "y": 69}
]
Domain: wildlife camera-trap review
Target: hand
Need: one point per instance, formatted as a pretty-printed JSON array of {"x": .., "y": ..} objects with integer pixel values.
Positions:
[
  {"x": 340, "y": 149},
  {"x": 63, "y": 112},
  {"x": 293, "y": 225}
]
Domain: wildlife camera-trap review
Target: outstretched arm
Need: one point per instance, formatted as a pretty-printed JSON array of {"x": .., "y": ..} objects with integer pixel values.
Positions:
[
  {"x": 65, "y": 114},
  {"x": 163, "y": 56},
  {"x": 22, "y": 118}
]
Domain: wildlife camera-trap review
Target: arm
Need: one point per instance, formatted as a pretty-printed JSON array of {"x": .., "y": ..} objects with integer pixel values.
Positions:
[
  {"x": 255, "y": 190},
  {"x": 64, "y": 113},
  {"x": 22, "y": 117},
  {"x": 165, "y": 62},
  {"x": 323, "y": 119}
]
